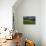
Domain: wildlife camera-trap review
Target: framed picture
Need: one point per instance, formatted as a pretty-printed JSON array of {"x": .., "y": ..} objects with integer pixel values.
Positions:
[{"x": 29, "y": 19}]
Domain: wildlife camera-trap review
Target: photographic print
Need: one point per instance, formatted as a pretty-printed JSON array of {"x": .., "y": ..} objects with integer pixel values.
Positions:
[{"x": 29, "y": 20}]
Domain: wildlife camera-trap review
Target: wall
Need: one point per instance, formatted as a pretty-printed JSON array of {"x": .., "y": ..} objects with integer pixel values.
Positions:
[
  {"x": 43, "y": 22},
  {"x": 6, "y": 13},
  {"x": 28, "y": 8}
]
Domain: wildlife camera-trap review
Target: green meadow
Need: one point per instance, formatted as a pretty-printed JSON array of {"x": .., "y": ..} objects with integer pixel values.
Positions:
[{"x": 28, "y": 21}]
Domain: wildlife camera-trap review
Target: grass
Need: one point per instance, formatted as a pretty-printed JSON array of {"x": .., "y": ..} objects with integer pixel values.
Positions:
[{"x": 28, "y": 22}]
